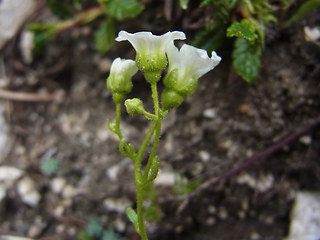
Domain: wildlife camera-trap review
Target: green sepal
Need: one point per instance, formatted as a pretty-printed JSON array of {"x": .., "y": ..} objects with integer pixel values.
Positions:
[
  {"x": 119, "y": 83},
  {"x": 112, "y": 126},
  {"x": 118, "y": 97},
  {"x": 133, "y": 217},
  {"x": 126, "y": 149},
  {"x": 152, "y": 77},
  {"x": 151, "y": 63},
  {"x": 170, "y": 99},
  {"x": 171, "y": 78},
  {"x": 244, "y": 29},
  {"x": 154, "y": 169}
]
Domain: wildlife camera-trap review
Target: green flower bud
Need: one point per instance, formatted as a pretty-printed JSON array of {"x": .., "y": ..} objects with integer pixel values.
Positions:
[
  {"x": 134, "y": 106},
  {"x": 119, "y": 81},
  {"x": 170, "y": 99},
  {"x": 151, "y": 63}
]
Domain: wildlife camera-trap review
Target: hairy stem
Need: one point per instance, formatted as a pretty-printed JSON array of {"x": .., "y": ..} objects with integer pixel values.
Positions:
[{"x": 118, "y": 114}]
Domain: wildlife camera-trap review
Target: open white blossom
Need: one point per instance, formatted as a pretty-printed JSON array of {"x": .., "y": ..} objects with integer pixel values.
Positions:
[
  {"x": 191, "y": 62},
  {"x": 151, "y": 49}
]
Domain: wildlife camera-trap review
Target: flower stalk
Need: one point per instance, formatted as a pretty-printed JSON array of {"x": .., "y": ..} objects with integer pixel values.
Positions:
[{"x": 153, "y": 53}]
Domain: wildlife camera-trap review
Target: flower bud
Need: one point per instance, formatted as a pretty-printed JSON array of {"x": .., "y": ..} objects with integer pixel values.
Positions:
[
  {"x": 119, "y": 81},
  {"x": 170, "y": 99},
  {"x": 134, "y": 106}
]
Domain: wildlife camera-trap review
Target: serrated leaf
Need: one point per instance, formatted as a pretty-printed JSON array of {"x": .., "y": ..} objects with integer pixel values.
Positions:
[
  {"x": 121, "y": 9},
  {"x": 244, "y": 29},
  {"x": 184, "y": 4},
  {"x": 246, "y": 59},
  {"x": 58, "y": 8},
  {"x": 304, "y": 9},
  {"x": 104, "y": 37}
]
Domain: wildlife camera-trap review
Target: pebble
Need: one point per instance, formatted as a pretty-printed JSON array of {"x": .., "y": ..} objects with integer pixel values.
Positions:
[
  {"x": 306, "y": 140},
  {"x": 3, "y": 192},
  {"x": 113, "y": 172},
  {"x": 69, "y": 191},
  {"x": 204, "y": 156},
  {"x": 58, "y": 184},
  {"x": 5, "y": 136},
  {"x": 8, "y": 174},
  {"x": 28, "y": 192},
  {"x": 305, "y": 217},
  {"x": 116, "y": 204},
  {"x": 212, "y": 209},
  {"x": 262, "y": 184},
  {"x": 222, "y": 213},
  {"x": 210, "y": 221},
  {"x": 210, "y": 113},
  {"x": 165, "y": 178},
  {"x": 120, "y": 225},
  {"x": 26, "y": 46},
  {"x": 255, "y": 236}
]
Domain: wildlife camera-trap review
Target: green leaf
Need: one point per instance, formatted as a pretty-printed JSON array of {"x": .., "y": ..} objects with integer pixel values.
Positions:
[
  {"x": 184, "y": 4},
  {"x": 244, "y": 29},
  {"x": 94, "y": 228},
  {"x": 246, "y": 59},
  {"x": 121, "y": 9},
  {"x": 111, "y": 235},
  {"x": 104, "y": 37},
  {"x": 154, "y": 169},
  {"x": 210, "y": 41},
  {"x": 304, "y": 9},
  {"x": 58, "y": 8},
  {"x": 50, "y": 166}
]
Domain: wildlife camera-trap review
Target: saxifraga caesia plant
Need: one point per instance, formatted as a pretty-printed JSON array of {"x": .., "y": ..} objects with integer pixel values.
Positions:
[{"x": 153, "y": 53}]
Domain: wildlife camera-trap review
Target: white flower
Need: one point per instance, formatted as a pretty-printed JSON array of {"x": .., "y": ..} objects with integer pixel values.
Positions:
[
  {"x": 185, "y": 68},
  {"x": 151, "y": 49},
  {"x": 191, "y": 62},
  {"x": 119, "y": 80}
]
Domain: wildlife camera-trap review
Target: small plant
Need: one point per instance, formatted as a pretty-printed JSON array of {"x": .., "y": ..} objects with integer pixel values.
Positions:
[
  {"x": 185, "y": 66},
  {"x": 95, "y": 231},
  {"x": 110, "y": 11},
  {"x": 50, "y": 166},
  {"x": 246, "y": 21}
]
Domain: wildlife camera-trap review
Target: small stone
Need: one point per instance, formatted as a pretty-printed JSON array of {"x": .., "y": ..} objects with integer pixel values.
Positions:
[
  {"x": 255, "y": 236},
  {"x": 306, "y": 140},
  {"x": 204, "y": 156},
  {"x": 241, "y": 214},
  {"x": 116, "y": 204},
  {"x": 119, "y": 225},
  {"x": 210, "y": 113},
  {"x": 212, "y": 209},
  {"x": 69, "y": 191},
  {"x": 9, "y": 174},
  {"x": 113, "y": 172},
  {"x": 26, "y": 46},
  {"x": 58, "y": 184},
  {"x": 223, "y": 213},
  {"x": 104, "y": 65},
  {"x": 28, "y": 192},
  {"x": 210, "y": 221},
  {"x": 165, "y": 178},
  {"x": 3, "y": 192},
  {"x": 262, "y": 184}
]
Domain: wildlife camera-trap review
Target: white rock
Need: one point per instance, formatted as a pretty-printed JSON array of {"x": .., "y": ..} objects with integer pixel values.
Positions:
[
  {"x": 116, "y": 204},
  {"x": 28, "y": 192},
  {"x": 26, "y": 46},
  {"x": 312, "y": 34},
  {"x": 58, "y": 184},
  {"x": 165, "y": 178},
  {"x": 5, "y": 136},
  {"x": 306, "y": 140},
  {"x": 69, "y": 191},
  {"x": 9, "y": 174},
  {"x": 305, "y": 217},
  {"x": 3, "y": 192},
  {"x": 13, "y": 14},
  {"x": 204, "y": 156},
  {"x": 113, "y": 172},
  {"x": 210, "y": 113},
  {"x": 262, "y": 184}
]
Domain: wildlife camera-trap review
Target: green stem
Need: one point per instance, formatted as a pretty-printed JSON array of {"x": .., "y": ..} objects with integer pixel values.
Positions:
[
  {"x": 153, "y": 150},
  {"x": 118, "y": 114},
  {"x": 155, "y": 98}
]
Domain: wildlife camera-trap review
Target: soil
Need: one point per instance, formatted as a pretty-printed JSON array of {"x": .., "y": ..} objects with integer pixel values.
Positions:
[{"x": 217, "y": 129}]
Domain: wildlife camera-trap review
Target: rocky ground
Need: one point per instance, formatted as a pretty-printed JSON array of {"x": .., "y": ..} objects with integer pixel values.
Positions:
[{"x": 220, "y": 127}]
